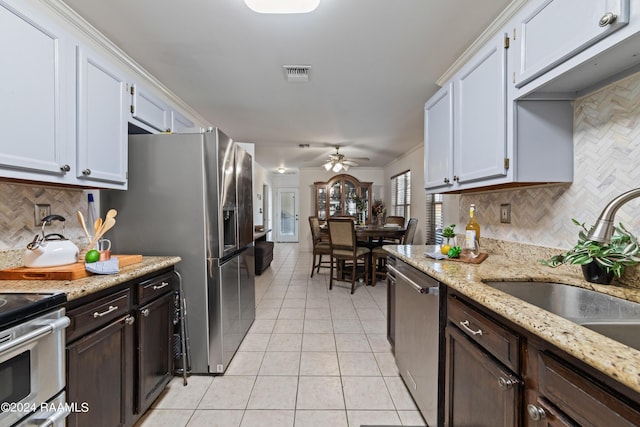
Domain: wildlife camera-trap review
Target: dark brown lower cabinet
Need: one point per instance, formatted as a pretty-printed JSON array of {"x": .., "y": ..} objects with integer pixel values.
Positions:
[
  {"x": 155, "y": 330},
  {"x": 100, "y": 374},
  {"x": 559, "y": 394},
  {"x": 119, "y": 352},
  {"x": 499, "y": 374},
  {"x": 480, "y": 391}
]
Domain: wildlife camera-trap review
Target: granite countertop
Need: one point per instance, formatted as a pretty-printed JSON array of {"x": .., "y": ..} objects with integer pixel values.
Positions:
[
  {"x": 604, "y": 354},
  {"x": 88, "y": 285}
]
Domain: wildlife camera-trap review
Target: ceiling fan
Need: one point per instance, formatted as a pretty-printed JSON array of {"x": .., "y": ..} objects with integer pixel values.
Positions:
[{"x": 338, "y": 162}]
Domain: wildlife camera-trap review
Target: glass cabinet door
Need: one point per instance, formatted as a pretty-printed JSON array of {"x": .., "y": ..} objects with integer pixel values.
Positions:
[
  {"x": 322, "y": 204},
  {"x": 335, "y": 199}
]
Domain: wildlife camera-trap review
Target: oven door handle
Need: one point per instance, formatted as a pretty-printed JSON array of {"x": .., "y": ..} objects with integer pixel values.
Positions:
[
  {"x": 42, "y": 331},
  {"x": 54, "y": 418}
]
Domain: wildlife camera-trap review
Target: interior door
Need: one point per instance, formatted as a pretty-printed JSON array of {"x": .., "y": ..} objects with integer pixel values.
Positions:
[{"x": 287, "y": 215}]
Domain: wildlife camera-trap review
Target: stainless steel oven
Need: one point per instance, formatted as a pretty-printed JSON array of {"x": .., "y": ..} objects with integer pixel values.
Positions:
[{"x": 32, "y": 365}]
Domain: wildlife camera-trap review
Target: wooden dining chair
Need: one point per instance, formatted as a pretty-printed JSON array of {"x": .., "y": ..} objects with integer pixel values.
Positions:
[
  {"x": 320, "y": 247},
  {"x": 396, "y": 220},
  {"x": 379, "y": 255},
  {"x": 342, "y": 238}
]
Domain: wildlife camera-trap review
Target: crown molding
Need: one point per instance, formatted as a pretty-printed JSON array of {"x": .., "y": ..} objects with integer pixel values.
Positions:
[
  {"x": 85, "y": 28},
  {"x": 498, "y": 23}
]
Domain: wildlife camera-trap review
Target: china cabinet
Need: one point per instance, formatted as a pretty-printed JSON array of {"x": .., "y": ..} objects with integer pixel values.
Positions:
[{"x": 338, "y": 196}]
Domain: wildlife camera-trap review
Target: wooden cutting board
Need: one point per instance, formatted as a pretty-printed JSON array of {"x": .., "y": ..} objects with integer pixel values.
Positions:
[{"x": 61, "y": 272}]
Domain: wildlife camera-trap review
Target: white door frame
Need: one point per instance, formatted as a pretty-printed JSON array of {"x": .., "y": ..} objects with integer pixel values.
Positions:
[{"x": 280, "y": 236}]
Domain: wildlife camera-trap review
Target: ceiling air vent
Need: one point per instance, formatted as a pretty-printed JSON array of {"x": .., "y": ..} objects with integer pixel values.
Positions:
[{"x": 296, "y": 73}]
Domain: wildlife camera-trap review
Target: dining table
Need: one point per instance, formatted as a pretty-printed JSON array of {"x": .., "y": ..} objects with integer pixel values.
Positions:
[{"x": 372, "y": 235}]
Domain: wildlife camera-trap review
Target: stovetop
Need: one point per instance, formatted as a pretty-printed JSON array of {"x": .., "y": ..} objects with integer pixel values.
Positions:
[{"x": 16, "y": 307}]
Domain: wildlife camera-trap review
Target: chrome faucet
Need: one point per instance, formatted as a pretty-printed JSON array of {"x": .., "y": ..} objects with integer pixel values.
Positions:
[{"x": 603, "y": 229}]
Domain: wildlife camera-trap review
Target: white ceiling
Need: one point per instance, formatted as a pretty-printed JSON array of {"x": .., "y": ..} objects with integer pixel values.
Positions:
[{"x": 374, "y": 64}]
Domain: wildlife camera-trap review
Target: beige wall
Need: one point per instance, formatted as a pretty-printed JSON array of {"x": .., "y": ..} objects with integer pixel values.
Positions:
[
  {"x": 413, "y": 160},
  {"x": 606, "y": 164}
]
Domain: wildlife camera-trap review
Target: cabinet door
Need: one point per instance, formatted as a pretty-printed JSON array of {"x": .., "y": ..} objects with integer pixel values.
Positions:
[
  {"x": 180, "y": 123},
  {"x": 155, "y": 332},
  {"x": 36, "y": 94},
  {"x": 559, "y": 29},
  {"x": 478, "y": 390},
  {"x": 149, "y": 110},
  {"x": 100, "y": 372},
  {"x": 480, "y": 139},
  {"x": 102, "y": 125},
  {"x": 438, "y": 139}
]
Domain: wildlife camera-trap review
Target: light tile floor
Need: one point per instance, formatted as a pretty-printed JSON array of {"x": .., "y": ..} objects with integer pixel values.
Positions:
[{"x": 313, "y": 357}]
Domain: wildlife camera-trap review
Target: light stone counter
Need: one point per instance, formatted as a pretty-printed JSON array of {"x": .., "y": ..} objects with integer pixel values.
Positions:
[
  {"x": 503, "y": 264},
  {"x": 88, "y": 285}
]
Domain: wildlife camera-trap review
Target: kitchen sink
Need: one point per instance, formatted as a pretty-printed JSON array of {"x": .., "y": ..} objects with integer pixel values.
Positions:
[
  {"x": 613, "y": 317},
  {"x": 627, "y": 333}
]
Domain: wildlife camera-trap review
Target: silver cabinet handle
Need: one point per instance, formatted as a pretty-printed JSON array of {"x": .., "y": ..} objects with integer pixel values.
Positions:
[
  {"x": 465, "y": 325},
  {"x": 86, "y": 172},
  {"x": 65, "y": 168},
  {"x": 145, "y": 312},
  {"x": 456, "y": 178},
  {"x": 129, "y": 320},
  {"x": 111, "y": 309},
  {"x": 446, "y": 180},
  {"x": 162, "y": 285},
  {"x": 607, "y": 19},
  {"x": 536, "y": 413},
  {"x": 506, "y": 383}
]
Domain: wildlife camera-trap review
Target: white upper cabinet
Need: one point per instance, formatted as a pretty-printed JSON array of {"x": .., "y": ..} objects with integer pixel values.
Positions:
[
  {"x": 180, "y": 123},
  {"x": 149, "y": 110},
  {"x": 35, "y": 93},
  {"x": 551, "y": 31},
  {"x": 438, "y": 139},
  {"x": 102, "y": 139},
  {"x": 465, "y": 123},
  {"x": 480, "y": 143}
]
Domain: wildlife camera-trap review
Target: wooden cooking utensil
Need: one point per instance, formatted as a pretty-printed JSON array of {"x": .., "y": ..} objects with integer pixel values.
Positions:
[
  {"x": 106, "y": 226},
  {"x": 96, "y": 226},
  {"x": 84, "y": 226}
]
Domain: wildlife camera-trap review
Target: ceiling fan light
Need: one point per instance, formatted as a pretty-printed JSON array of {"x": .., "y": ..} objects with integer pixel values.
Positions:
[
  {"x": 345, "y": 167},
  {"x": 328, "y": 166},
  {"x": 282, "y": 6},
  {"x": 337, "y": 167}
]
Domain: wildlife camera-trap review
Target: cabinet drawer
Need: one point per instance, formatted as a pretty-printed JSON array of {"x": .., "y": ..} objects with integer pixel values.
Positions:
[
  {"x": 92, "y": 315},
  {"x": 497, "y": 340},
  {"x": 155, "y": 287},
  {"x": 584, "y": 401}
]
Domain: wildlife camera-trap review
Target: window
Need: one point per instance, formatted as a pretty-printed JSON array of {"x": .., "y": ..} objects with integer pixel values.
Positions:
[{"x": 401, "y": 195}]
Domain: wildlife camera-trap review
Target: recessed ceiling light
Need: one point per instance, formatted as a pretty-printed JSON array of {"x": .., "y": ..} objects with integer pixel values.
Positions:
[{"x": 282, "y": 6}]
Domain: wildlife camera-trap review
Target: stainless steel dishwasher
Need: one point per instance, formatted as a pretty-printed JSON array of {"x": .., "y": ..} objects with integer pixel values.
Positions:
[{"x": 418, "y": 337}]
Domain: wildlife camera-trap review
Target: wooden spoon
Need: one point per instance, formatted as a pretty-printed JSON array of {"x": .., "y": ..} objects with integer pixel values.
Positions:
[
  {"x": 106, "y": 226},
  {"x": 97, "y": 225},
  {"x": 84, "y": 226}
]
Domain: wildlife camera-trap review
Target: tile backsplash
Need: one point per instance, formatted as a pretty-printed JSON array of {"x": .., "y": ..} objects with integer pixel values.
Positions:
[
  {"x": 17, "y": 226},
  {"x": 606, "y": 164}
]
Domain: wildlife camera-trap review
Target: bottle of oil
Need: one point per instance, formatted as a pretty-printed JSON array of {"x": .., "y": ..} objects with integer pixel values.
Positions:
[{"x": 472, "y": 230}]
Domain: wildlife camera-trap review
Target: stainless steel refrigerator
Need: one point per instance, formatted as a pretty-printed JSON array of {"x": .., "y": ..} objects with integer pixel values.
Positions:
[{"x": 191, "y": 195}]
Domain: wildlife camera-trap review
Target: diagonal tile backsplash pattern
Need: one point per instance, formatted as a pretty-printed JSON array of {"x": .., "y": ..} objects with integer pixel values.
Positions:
[
  {"x": 17, "y": 226},
  {"x": 606, "y": 164}
]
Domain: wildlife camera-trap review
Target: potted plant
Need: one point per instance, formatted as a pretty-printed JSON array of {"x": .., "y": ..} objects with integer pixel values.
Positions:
[
  {"x": 361, "y": 205},
  {"x": 449, "y": 235},
  {"x": 600, "y": 261}
]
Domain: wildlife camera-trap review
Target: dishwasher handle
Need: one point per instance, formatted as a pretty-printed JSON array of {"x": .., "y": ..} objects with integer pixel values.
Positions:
[{"x": 431, "y": 290}]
